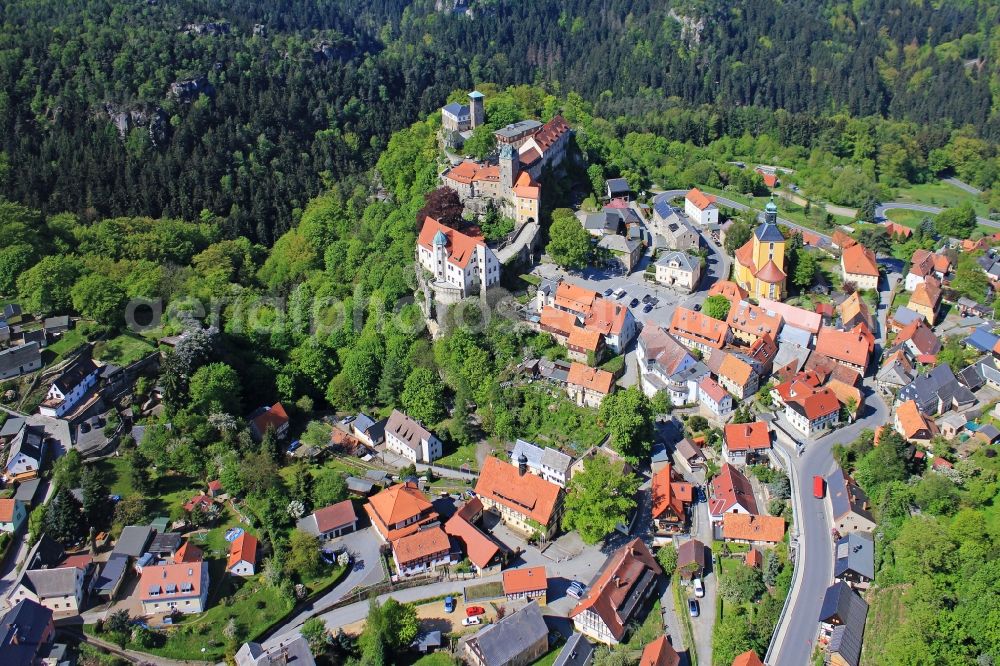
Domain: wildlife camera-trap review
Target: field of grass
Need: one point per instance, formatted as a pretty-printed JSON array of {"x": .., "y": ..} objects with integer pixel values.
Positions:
[
  {"x": 939, "y": 193},
  {"x": 815, "y": 219},
  {"x": 122, "y": 350},
  {"x": 66, "y": 343},
  {"x": 551, "y": 419},
  {"x": 909, "y": 218},
  {"x": 435, "y": 659},
  {"x": 462, "y": 455}
]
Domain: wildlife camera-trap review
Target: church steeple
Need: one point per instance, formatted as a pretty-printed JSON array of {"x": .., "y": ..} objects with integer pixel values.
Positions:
[{"x": 771, "y": 212}]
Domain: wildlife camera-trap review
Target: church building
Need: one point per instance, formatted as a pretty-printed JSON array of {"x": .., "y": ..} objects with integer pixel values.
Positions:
[{"x": 760, "y": 262}]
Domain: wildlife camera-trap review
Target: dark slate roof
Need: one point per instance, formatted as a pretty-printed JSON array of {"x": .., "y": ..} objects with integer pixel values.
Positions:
[
  {"x": 60, "y": 582},
  {"x": 456, "y": 109},
  {"x": 356, "y": 485},
  {"x": 26, "y": 490},
  {"x": 22, "y": 355},
  {"x": 133, "y": 540},
  {"x": 845, "y": 640},
  {"x": 11, "y": 426},
  {"x": 165, "y": 544},
  {"x": 504, "y": 641},
  {"x": 989, "y": 431},
  {"x": 768, "y": 233},
  {"x": 846, "y": 496},
  {"x": 982, "y": 339},
  {"x": 618, "y": 186},
  {"x": 62, "y": 321},
  {"x": 843, "y": 604},
  {"x": 111, "y": 573},
  {"x": 578, "y": 651},
  {"x": 971, "y": 377},
  {"x": 21, "y": 631},
  {"x": 30, "y": 441},
  {"x": 938, "y": 384},
  {"x": 11, "y": 310},
  {"x": 74, "y": 375},
  {"x": 855, "y": 553},
  {"x": 517, "y": 128},
  {"x": 662, "y": 207}
]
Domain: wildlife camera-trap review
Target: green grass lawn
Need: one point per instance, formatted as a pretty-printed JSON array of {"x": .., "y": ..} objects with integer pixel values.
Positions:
[
  {"x": 551, "y": 419},
  {"x": 66, "y": 343},
  {"x": 909, "y": 218},
  {"x": 649, "y": 630},
  {"x": 939, "y": 193},
  {"x": 435, "y": 659},
  {"x": 462, "y": 455},
  {"x": 814, "y": 219},
  {"x": 122, "y": 350}
]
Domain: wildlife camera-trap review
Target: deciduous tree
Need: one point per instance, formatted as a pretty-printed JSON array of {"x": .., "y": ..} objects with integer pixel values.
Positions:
[{"x": 599, "y": 498}]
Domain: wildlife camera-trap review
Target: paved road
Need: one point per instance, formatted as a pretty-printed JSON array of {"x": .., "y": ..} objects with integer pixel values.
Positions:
[
  {"x": 922, "y": 208},
  {"x": 963, "y": 186}
]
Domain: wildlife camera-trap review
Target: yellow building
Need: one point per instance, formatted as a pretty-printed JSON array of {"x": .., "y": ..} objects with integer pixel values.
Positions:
[{"x": 760, "y": 263}]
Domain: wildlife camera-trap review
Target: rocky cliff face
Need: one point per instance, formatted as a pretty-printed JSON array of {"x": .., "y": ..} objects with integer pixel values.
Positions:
[{"x": 125, "y": 119}]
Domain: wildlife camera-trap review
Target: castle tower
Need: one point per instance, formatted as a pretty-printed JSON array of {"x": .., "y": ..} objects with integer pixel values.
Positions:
[
  {"x": 477, "y": 112},
  {"x": 440, "y": 254},
  {"x": 510, "y": 165}
]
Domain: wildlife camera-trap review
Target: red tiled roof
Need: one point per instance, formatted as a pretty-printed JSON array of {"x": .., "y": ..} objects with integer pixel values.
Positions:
[
  {"x": 729, "y": 488},
  {"x": 593, "y": 379},
  {"x": 712, "y": 389},
  {"x": 204, "y": 501},
  {"x": 850, "y": 346},
  {"x": 895, "y": 229},
  {"x": 927, "y": 293},
  {"x": 817, "y": 404},
  {"x": 793, "y": 316},
  {"x": 620, "y": 575},
  {"x": 188, "y": 552},
  {"x": 842, "y": 240},
  {"x": 550, "y": 132},
  {"x": 670, "y": 491},
  {"x": 744, "y": 255},
  {"x": 770, "y": 273},
  {"x": 7, "y": 510},
  {"x": 700, "y": 200},
  {"x": 735, "y": 369},
  {"x": 859, "y": 260},
  {"x": 526, "y": 494},
  {"x": 748, "y": 436},
  {"x": 743, "y": 527},
  {"x": 659, "y": 653},
  {"x": 336, "y": 515},
  {"x": 583, "y": 338},
  {"x": 275, "y": 417},
  {"x": 770, "y": 179},
  {"x": 921, "y": 335},
  {"x": 753, "y": 320},
  {"x": 753, "y": 558},
  {"x": 912, "y": 421},
  {"x": 174, "y": 577},
  {"x": 526, "y": 579},
  {"x": 215, "y": 485},
  {"x": 397, "y": 504},
  {"x": 729, "y": 289},
  {"x": 243, "y": 549},
  {"x": 526, "y": 187},
  {"x": 461, "y": 247},
  {"x": 421, "y": 544},
  {"x": 748, "y": 658},
  {"x": 480, "y": 548},
  {"x": 575, "y": 298},
  {"x": 699, "y": 327}
]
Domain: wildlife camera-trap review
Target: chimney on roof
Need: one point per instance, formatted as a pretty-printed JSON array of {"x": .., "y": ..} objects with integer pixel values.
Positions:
[{"x": 522, "y": 464}]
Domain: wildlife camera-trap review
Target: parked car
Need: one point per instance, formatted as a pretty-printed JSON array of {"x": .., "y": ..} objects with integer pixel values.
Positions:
[
  {"x": 475, "y": 610},
  {"x": 619, "y": 293},
  {"x": 634, "y": 302},
  {"x": 576, "y": 589},
  {"x": 471, "y": 621},
  {"x": 654, "y": 301},
  {"x": 697, "y": 307},
  {"x": 449, "y": 604},
  {"x": 608, "y": 292},
  {"x": 693, "y": 608},
  {"x": 699, "y": 588},
  {"x": 648, "y": 307},
  {"x": 647, "y": 298}
]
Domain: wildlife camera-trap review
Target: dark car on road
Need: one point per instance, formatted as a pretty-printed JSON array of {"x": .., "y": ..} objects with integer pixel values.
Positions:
[
  {"x": 607, "y": 292},
  {"x": 647, "y": 308},
  {"x": 697, "y": 307}
]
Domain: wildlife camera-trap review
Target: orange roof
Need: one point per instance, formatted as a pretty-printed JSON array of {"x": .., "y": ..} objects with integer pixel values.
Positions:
[
  {"x": 859, "y": 260},
  {"x": 801, "y": 383},
  {"x": 559, "y": 320},
  {"x": 463, "y": 173},
  {"x": 528, "y": 579},
  {"x": 589, "y": 378},
  {"x": 730, "y": 487},
  {"x": 584, "y": 338},
  {"x": 770, "y": 179},
  {"x": 243, "y": 549},
  {"x": 927, "y": 294},
  {"x": 399, "y": 503},
  {"x": 461, "y": 247},
  {"x": 171, "y": 581},
  {"x": 748, "y": 658},
  {"x": 853, "y": 306},
  {"x": 895, "y": 229},
  {"x": 526, "y": 494},
  {"x": 942, "y": 262},
  {"x": 7, "y": 510},
  {"x": 619, "y": 576},
  {"x": 670, "y": 491},
  {"x": 489, "y": 172},
  {"x": 770, "y": 273},
  {"x": 188, "y": 552},
  {"x": 810, "y": 239},
  {"x": 744, "y": 255},
  {"x": 753, "y": 320},
  {"x": 912, "y": 421},
  {"x": 736, "y": 370},
  {"x": 480, "y": 548},
  {"x": 732, "y": 291},
  {"x": 275, "y": 417},
  {"x": 700, "y": 200},
  {"x": 699, "y": 327},
  {"x": 575, "y": 298},
  {"x": 793, "y": 316},
  {"x": 420, "y": 545},
  {"x": 753, "y": 558},
  {"x": 606, "y": 316},
  {"x": 847, "y": 393},
  {"x": 526, "y": 187},
  {"x": 745, "y": 527},
  {"x": 659, "y": 653},
  {"x": 848, "y": 346},
  {"x": 842, "y": 240},
  {"x": 973, "y": 245},
  {"x": 748, "y": 436},
  {"x": 817, "y": 403}
]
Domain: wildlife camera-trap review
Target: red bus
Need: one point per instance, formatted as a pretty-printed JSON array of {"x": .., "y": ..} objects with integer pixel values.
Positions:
[{"x": 819, "y": 487}]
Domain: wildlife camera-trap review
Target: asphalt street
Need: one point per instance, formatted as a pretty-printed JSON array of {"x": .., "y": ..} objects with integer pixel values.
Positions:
[{"x": 921, "y": 208}]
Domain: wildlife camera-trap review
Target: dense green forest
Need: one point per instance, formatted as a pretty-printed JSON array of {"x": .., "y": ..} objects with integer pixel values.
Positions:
[{"x": 243, "y": 111}]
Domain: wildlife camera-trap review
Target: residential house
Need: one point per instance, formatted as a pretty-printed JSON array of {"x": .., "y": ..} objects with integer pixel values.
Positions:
[
  {"x": 519, "y": 639},
  {"x": 12, "y": 514},
  {"x": 659, "y": 653},
  {"x": 408, "y": 438},
  {"x": 671, "y": 502},
  {"x": 730, "y": 492},
  {"x": 399, "y": 510},
  {"x": 982, "y": 339},
  {"x": 970, "y": 308},
  {"x": 242, "y": 555},
  {"x": 27, "y": 451},
  {"x": 367, "y": 430},
  {"x": 605, "y": 222},
  {"x": 525, "y": 502},
  {"x": 812, "y": 410},
  {"x": 926, "y": 299},
  {"x": 858, "y": 265},
  {"x": 627, "y": 582},
  {"x": 678, "y": 270},
  {"x": 912, "y": 424},
  {"x": 901, "y": 317},
  {"x": 578, "y": 651},
  {"x": 421, "y": 551},
  {"x": 682, "y": 386},
  {"x": 590, "y": 310},
  {"x": 761, "y": 355},
  {"x": 842, "y": 624},
  {"x": 267, "y": 418},
  {"x": 26, "y": 634},
  {"x": 180, "y": 587},
  {"x": 749, "y": 322},
  {"x": 921, "y": 267},
  {"x": 753, "y": 529},
  {"x": 689, "y": 456},
  {"x": 714, "y": 398},
  {"x": 805, "y": 321},
  {"x": 56, "y": 325},
  {"x": 746, "y": 443},
  {"x": 16, "y": 361},
  {"x": 748, "y": 658},
  {"x": 852, "y": 348},
  {"x": 588, "y": 386},
  {"x": 330, "y": 521},
  {"x": 294, "y": 651},
  {"x": 691, "y": 559},
  {"x": 854, "y": 560},
  {"x": 737, "y": 376},
  {"x": 485, "y": 553},
  {"x": 661, "y": 357},
  {"x": 698, "y": 331},
  {"x": 854, "y": 312},
  {"x": 896, "y": 372},
  {"x": 850, "y": 505},
  {"x": 622, "y": 253},
  {"x": 70, "y": 386},
  {"x": 60, "y": 589},
  {"x": 919, "y": 341},
  {"x": 701, "y": 207},
  {"x": 617, "y": 188},
  {"x": 938, "y": 391},
  {"x": 951, "y": 424},
  {"x": 189, "y": 552},
  {"x": 679, "y": 235},
  {"x": 460, "y": 264},
  {"x": 526, "y": 583},
  {"x": 549, "y": 463},
  {"x": 769, "y": 176},
  {"x": 583, "y": 345}
]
